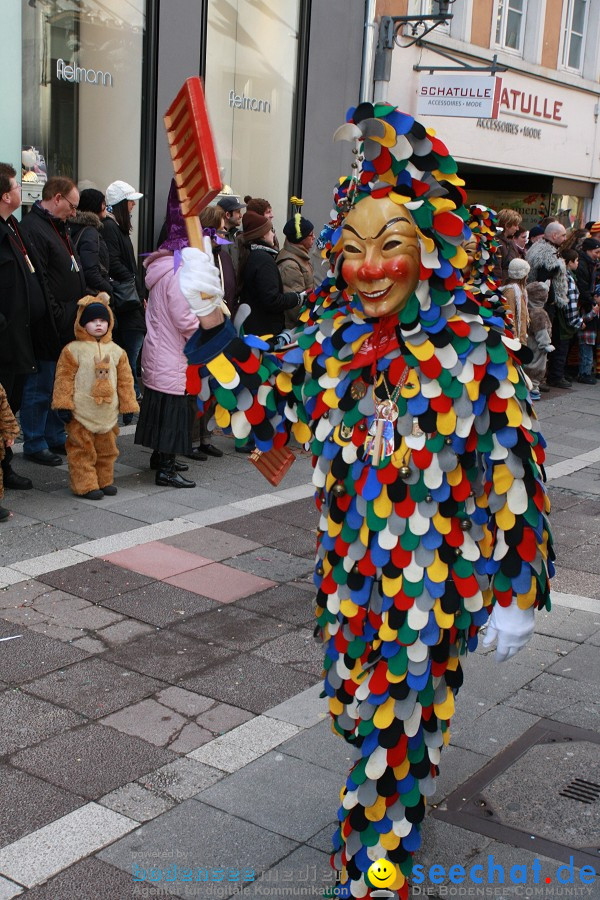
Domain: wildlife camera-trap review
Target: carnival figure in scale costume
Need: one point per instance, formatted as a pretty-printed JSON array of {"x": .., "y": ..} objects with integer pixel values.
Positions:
[{"x": 427, "y": 467}]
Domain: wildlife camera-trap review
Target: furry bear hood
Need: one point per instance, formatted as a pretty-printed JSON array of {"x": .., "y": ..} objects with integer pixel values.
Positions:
[
  {"x": 80, "y": 332},
  {"x": 537, "y": 293}
]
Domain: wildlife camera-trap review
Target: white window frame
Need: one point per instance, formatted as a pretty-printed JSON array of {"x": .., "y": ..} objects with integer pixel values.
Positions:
[
  {"x": 427, "y": 9},
  {"x": 565, "y": 37},
  {"x": 501, "y": 9}
]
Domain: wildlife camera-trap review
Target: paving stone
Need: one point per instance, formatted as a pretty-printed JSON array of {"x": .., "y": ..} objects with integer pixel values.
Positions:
[
  {"x": 96, "y": 523},
  {"x": 158, "y": 603},
  {"x": 38, "y": 856},
  {"x": 222, "y": 718},
  {"x": 456, "y": 766},
  {"x": 95, "y": 581},
  {"x": 496, "y": 681},
  {"x": 235, "y": 628},
  {"x": 221, "y": 583},
  {"x": 33, "y": 540},
  {"x": 447, "y": 845},
  {"x": 181, "y": 779},
  {"x": 323, "y": 840},
  {"x": 320, "y": 746},
  {"x": 174, "y": 838},
  {"x": 245, "y": 743},
  {"x": 583, "y": 664},
  {"x": 94, "y": 687},
  {"x": 584, "y": 714},
  {"x": 296, "y": 540},
  {"x": 61, "y": 633},
  {"x": 255, "y": 794},
  {"x": 268, "y": 562},
  {"x": 557, "y": 687},
  {"x": 495, "y": 730},
  {"x": 47, "y": 506},
  {"x": 298, "y": 649},
  {"x": 567, "y": 624},
  {"x": 305, "y": 709},
  {"x": 156, "y": 559},
  {"x": 468, "y": 708},
  {"x": 137, "y": 802},
  {"x": 89, "y": 645},
  {"x": 25, "y": 592},
  {"x": 8, "y": 889},
  {"x": 537, "y": 704},
  {"x": 92, "y": 760},
  {"x": 190, "y": 738},
  {"x": 212, "y": 543},
  {"x": 303, "y": 870},
  {"x": 26, "y": 616},
  {"x": 32, "y": 655},
  {"x": 147, "y": 508},
  {"x": 124, "y": 631},
  {"x": 149, "y": 720},
  {"x": 255, "y": 527},
  {"x": 74, "y": 612},
  {"x": 250, "y": 682},
  {"x": 168, "y": 655},
  {"x": 303, "y": 513},
  {"x": 507, "y": 856},
  {"x": 185, "y": 702},
  {"x": 28, "y": 803},
  {"x": 292, "y": 602}
]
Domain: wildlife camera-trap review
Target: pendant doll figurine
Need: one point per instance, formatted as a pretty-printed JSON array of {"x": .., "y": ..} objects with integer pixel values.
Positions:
[{"x": 427, "y": 469}]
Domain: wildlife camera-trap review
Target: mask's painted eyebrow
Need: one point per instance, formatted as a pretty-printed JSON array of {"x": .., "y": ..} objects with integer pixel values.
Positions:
[
  {"x": 389, "y": 225},
  {"x": 354, "y": 231}
]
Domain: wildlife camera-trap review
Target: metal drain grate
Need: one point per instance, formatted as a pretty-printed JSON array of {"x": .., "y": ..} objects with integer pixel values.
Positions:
[{"x": 584, "y": 791}]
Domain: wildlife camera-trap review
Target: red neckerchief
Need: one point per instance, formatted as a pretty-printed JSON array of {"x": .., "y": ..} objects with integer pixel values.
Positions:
[{"x": 381, "y": 342}]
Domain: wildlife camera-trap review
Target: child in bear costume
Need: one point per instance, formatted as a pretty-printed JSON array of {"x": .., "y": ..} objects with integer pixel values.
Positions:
[
  {"x": 539, "y": 338},
  {"x": 93, "y": 385}
]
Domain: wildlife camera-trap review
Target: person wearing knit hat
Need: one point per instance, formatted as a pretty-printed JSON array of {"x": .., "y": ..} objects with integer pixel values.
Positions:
[
  {"x": 259, "y": 280},
  {"x": 93, "y": 384},
  {"x": 595, "y": 229},
  {"x": 295, "y": 263}
]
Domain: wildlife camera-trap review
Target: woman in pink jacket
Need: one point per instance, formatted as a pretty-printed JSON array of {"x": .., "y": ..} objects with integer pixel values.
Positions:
[{"x": 164, "y": 422}]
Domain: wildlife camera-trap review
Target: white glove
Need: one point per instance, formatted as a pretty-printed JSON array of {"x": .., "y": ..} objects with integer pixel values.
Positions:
[
  {"x": 512, "y": 627},
  {"x": 550, "y": 348},
  {"x": 199, "y": 280}
]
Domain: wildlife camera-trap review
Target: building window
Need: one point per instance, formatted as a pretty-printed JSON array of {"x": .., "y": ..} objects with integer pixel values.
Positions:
[
  {"x": 81, "y": 92},
  {"x": 510, "y": 24},
  {"x": 573, "y": 34},
  {"x": 250, "y": 85}
]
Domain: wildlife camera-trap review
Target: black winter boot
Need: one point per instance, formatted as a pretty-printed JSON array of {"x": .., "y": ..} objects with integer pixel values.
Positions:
[{"x": 168, "y": 476}]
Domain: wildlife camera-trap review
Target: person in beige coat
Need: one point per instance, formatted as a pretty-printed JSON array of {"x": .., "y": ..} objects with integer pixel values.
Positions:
[
  {"x": 93, "y": 384},
  {"x": 515, "y": 295},
  {"x": 295, "y": 264}
]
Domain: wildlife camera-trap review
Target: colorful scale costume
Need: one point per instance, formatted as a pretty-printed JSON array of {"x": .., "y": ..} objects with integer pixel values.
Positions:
[{"x": 417, "y": 543}]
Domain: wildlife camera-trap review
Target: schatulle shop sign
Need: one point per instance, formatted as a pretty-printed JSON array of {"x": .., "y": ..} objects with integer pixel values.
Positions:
[{"x": 469, "y": 96}]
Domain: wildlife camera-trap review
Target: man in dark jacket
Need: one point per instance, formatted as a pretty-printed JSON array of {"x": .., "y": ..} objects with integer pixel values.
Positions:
[
  {"x": 27, "y": 327},
  {"x": 586, "y": 274},
  {"x": 46, "y": 228}
]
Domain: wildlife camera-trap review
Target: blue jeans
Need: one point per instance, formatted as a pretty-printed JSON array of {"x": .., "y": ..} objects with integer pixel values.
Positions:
[
  {"x": 131, "y": 342},
  {"x": 586, "y": 358},
  {"x": 40, "y": 424}
]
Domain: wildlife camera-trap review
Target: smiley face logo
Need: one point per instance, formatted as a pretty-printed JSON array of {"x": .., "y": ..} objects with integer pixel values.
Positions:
[{"x": 382, "y": 873}]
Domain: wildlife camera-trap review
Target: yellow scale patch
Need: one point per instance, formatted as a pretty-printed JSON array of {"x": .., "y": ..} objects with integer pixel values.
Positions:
[
  {"x": 444, "y": 620},
  {"x": 445, "y": 710}
]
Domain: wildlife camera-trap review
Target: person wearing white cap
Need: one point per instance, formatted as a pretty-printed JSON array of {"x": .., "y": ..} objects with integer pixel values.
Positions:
[{"x": 121, "y": 198}]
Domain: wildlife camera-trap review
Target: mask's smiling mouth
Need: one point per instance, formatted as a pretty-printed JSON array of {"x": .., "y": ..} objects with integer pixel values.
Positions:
[{"x": 375, "y": 295}]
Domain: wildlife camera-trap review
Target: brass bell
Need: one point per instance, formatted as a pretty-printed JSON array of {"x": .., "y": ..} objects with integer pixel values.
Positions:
[
  {"x": 465, "y": 524},
  {"x": 362, "y": 427},
  {"x": 447, "y": 440},
  {"x": 404, "y": 471},
  {"x": 428, "y": 498},
  {"x": 339, "y": 489},
  {"x": 457, "y": 551},
  {"x": 320, "y": 570},
  {"x": 325, "y": 415}
]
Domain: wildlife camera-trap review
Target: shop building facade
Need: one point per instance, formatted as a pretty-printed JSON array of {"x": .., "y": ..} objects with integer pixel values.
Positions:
[
  {"x": 541, "y": 154},
  {"x": 86, "y": 84}
]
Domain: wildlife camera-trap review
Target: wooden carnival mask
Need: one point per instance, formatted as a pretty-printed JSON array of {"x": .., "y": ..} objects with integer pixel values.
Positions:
[{"x": 381, "y": 255}]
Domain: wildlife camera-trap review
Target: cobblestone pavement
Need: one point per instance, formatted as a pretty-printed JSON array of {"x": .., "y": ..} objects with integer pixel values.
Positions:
[{"x": 159, "y": 691}]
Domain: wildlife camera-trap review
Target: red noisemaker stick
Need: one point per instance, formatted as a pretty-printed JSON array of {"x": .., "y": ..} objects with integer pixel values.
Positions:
[{"x": 194, "y": 157}]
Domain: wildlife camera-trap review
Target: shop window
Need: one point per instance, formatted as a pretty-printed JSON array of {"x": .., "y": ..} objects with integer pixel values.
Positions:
[
  {"x": 250, "y": 85},
  {"x": 82, "y": 91},
  {"x": 573, "y": 36},
  {"x": 510, "y": 24}
]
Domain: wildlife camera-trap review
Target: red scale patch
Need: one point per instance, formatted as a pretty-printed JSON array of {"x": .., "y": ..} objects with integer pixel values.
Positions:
[{"x": 448, "y": 223}]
